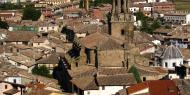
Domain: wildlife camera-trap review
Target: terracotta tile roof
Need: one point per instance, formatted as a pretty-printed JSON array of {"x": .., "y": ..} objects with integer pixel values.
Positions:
[
  {"x": 92, "y": 83},
  {"x": 141, "y": 5},
  {"x": 163, "y": 3},
  {"x": 85, "y": 83},
  {"x": 147, "y": 71},
  {"x": 52, "y": 59},
  {"x": 137, "y": 87},
  {"x": 163, "y": 30},
  {"x": 158, "y": 37},
  {"x": 112, "y": 71},
  {"x": 116, "y": 80},
  {"x": 102, "y": 41},
  {"x": 20, "y": 36},
  {"x": 9, "y": 70},
  {"x": 185, "y": 52},
  {"x": 43, "y": 92},
  {"x": 11, "y": 92},
  {"x": 163, "y": 87},
  {"x": 38, "y": 40},
  {"x": 183, "y": 85},
  {"x": 82, "y": 71},
  {"x": 142, "y": 37},
  {"x": 32, "y": 54},
  {"x": 22, "y": 60},
  {"x": 138, "y": 0}
]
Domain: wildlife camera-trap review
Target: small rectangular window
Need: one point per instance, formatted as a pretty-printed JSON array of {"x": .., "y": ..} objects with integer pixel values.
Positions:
[
  {"x": 122, "y": 32},
  {"x": 88, "y": 93},
  {"x": 144, "y": 78},
  {"x": 174, "y": 64},
  {"x": 6, "y": 87},
  {"x": 103, "y": 87},
  {"x": 14, "y": 80},
  {"x": 166, "y": 64}
]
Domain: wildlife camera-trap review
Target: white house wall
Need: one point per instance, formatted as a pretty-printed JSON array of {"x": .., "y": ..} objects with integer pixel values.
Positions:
[
  {"x": 21, "y": 66},
  {"x": 109, "y": 90},
  {"x": 170, "y": 62},
  {"x": 11, "y": 79},
  {"x": 188, "y": 19},
  {"x": 151, "y": 1}
]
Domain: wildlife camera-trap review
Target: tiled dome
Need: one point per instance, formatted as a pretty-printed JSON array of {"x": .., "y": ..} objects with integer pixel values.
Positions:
[{"x": 171, "y": 52}]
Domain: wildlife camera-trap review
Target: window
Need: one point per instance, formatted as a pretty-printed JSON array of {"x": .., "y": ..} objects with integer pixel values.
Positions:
[
  {"x": 103, "y": 87},
  {"x": 6, "y": 87},
  {"x": 122, "y": 32},
  {"x": 166, "y": 64},
  {"x": 17, "y": 50},
  {"x": 14, "y": 80},
  {"x": 88, "y": 93},
  {"x": 144, "y": 78},
  {"x": 174, "y": 64},
  {"x": 18, "y": 64}
]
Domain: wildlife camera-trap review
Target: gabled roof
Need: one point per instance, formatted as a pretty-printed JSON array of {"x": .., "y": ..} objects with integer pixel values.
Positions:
[
  {"x": 52, "y": 59},
  {"x": 92, "y": 83},
  {"x": 102, "y": 41},
  {"x": 85, "y": 83}
]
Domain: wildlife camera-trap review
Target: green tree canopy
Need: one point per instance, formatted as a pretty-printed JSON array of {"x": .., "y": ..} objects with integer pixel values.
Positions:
[
  {"x": 148, "y": 24},
  {"x": 3, "y": 25},
  {"x": 136, "y": 74},
  {"x": 30, "y": 13},
  {"x": 41, "y": 70}
]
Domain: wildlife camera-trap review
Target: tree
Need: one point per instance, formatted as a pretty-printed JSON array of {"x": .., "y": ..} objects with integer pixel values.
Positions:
[
  {"x": 41, "y": 70},
  {"x": 30, "y": 13},
  {"x": 3, "y": 25},
  {"x": 136, "y": 74},
  {"x": 148, "y": 24},
  {"x": 81, "y": 4}
]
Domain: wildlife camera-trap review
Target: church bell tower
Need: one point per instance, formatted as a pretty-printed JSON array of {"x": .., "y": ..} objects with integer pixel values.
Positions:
[{"x": 121, "y": 20}]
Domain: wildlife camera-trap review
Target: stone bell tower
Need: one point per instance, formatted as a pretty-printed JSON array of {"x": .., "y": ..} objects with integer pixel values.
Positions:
[{"x": 121, "y": 20}]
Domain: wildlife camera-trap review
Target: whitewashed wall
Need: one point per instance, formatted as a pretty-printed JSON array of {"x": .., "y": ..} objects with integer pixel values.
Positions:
[
  {"x": 109, "y": 90},
  {"x": 170, "y": 62}
]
